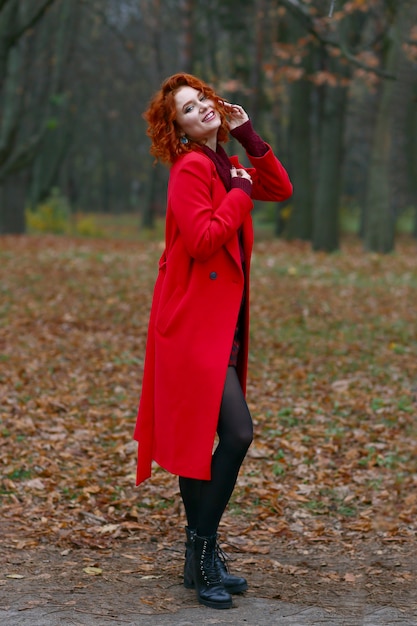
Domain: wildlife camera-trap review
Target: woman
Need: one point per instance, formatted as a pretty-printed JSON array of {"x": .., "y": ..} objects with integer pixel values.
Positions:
[{"x": 197, "y": 348}]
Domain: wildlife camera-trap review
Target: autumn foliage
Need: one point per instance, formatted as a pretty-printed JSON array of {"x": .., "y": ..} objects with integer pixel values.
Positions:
[{"x": 332, "y": 388}]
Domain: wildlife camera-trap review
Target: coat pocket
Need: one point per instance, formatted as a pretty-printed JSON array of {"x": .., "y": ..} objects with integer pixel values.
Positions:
[{"x": 168, "y": 310}]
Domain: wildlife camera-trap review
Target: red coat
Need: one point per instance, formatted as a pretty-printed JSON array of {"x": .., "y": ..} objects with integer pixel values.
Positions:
[{"x": 194, "y": 311}]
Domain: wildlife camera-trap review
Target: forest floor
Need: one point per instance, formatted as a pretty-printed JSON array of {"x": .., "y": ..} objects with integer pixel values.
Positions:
[
  {"x": 140, "y": 582},
  {"x": 323, "y": 518}
]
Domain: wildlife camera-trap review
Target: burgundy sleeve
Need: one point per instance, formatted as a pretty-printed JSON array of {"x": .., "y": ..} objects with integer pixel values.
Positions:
[
  {"x": 242, "y": 183},
  {"x": 250, "y": 140}
]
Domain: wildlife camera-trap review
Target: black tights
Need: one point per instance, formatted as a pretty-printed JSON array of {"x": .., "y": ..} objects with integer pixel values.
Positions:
[{"x": 206, "y": 500}]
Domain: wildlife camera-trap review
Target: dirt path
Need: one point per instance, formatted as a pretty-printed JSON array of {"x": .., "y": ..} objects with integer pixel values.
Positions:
[{"x": 140, "y": 583}]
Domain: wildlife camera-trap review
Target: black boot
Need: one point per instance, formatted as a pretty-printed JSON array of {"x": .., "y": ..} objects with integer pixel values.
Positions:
[
  {"x": 232, "y": 584},
  {"x": 207, "y": 578}
]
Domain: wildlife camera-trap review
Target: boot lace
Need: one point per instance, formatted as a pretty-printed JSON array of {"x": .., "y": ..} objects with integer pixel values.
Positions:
[
  {"x": 223, "y": 557},
  {"x": 209, "y": 567}
]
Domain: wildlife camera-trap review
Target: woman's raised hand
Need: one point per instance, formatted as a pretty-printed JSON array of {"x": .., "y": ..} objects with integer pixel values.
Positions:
[{"x": 236, "y": 115}]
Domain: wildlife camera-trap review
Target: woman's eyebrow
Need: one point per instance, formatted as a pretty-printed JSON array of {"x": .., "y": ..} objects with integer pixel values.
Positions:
[
  {"x": 200, "y": 93},
  {"x": 186, "y": 103}
]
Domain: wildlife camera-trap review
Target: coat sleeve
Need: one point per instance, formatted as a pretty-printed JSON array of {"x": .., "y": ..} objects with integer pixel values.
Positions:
[
  {"x": 204, "y": 227},
  {"x": 270, "y": 179}
]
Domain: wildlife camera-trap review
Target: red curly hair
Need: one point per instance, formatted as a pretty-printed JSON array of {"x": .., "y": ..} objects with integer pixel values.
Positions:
[{"x": 160, "y": 115}]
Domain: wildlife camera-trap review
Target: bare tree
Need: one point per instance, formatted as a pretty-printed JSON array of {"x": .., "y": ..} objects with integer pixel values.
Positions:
[
  {"x": 380, "y": 215},
  {"x": 23, "y": 121}
]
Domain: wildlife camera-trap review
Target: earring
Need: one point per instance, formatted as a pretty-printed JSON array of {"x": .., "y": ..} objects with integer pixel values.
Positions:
[{"x": 183, "y": 139}]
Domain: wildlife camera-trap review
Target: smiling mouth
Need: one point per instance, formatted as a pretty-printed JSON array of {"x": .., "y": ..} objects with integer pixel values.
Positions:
[{"x": 209, "y": 116}]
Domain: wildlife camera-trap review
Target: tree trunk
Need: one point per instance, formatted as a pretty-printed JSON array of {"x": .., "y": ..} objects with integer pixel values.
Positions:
[
  {"x": 57, "y": 138},
  {"x": 300, "y": 224},
  {"x": 327, "y": 196},
  {"x": 256, "y": 74},
  {"x": 12, "y": 202},
  {"x": 379, "y": 235},
  {"x": 188, "y": 31},
  {"x": 411, "y": 150},
  {"x": 47, "y": 165},
  {"x": 151, "y": 201},
  {"x": 18, "y": 148}
]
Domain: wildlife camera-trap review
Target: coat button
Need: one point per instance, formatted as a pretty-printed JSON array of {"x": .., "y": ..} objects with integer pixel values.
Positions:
[{"x": 213, "y": 275}]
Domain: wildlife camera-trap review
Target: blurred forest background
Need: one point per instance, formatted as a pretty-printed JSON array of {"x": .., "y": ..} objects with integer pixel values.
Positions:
[{"x": 332, "y": 85}]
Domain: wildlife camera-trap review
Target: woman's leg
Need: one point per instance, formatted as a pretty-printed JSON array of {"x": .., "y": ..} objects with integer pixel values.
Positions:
[
  {"x": 206, "y": 500},
  {"x": 190, "y": 490},
  {"x": 235, "y": 431}
]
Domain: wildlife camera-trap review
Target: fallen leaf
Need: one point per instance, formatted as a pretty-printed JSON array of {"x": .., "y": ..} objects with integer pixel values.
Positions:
[{"x": 93, "y": 571}]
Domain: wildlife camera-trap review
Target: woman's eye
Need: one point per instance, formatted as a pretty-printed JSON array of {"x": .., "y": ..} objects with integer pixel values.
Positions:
[{"x": 191, "y": 106}]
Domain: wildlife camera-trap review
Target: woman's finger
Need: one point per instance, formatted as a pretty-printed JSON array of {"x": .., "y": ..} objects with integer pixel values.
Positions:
[{"x": 242, "y": 173}]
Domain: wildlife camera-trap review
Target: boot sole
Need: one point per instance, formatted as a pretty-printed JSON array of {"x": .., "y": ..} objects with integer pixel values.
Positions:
[
  {"x": 234, "y": 590},
  {"x": 216, "y": 605}
]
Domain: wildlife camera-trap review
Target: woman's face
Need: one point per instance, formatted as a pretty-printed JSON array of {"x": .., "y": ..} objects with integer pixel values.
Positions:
[{"x": 197, "y": 116}]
